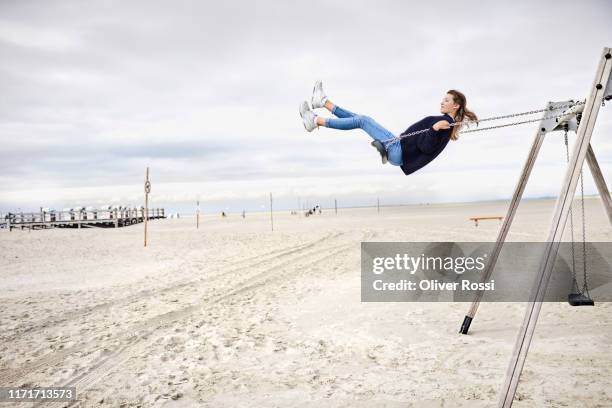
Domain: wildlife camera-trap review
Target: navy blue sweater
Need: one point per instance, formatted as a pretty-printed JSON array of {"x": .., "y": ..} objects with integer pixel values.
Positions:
[{"x": 419, "y": 150}]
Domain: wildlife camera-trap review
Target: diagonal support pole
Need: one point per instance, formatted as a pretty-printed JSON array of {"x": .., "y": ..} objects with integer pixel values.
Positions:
[
  {"x": 544, "y": 126},
  {"x": 555, "y": 234},
  {"x": 604, "y": 193}
]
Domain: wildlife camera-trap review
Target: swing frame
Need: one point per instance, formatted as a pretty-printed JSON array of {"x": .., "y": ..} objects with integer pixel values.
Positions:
[{"x": 601, "y": 88}]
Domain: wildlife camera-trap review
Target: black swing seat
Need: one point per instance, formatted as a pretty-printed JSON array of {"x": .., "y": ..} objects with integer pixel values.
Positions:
[
  {"x": 381, "y": 150},
  {"x": 579, "y": 299}
]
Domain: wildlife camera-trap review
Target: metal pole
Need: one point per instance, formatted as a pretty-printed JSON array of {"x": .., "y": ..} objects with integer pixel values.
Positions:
[
  {"x": 600, "y": 182},
  {"x": 378, "y": 205},
  {"x": 198, "y": 215},
  {"x": 271, "y": 216},
  {"x": 555, "y": 234},
  {"x": 336, "y": 206},
  {"x": 543, "y": 127},
  {"x": 146, "y": 214}
]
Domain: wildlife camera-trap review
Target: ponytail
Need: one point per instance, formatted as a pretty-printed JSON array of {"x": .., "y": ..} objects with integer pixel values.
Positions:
[{"x": 462, "y": 113}]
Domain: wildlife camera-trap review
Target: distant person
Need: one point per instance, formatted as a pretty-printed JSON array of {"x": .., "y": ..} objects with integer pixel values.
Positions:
[
  {"x": 223, "y": 214},
  {"x": 243, "y": 214},
  {"x": 410, "y": 153}
]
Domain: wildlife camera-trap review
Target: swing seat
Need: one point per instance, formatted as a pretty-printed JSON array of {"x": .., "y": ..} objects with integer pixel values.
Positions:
[{"x": 579, "y": 299}]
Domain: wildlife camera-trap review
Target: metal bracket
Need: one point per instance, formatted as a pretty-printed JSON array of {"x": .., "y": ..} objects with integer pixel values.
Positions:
[
  {"x": 551, "y": 121},
  {"x": 569, "y": 118}
]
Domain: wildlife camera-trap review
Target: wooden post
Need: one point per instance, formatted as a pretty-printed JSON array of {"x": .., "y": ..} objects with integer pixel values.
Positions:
[
  {"x": 198, "y": 215},
  {"x": 147, "y": 188},
  {"x": 271, "y": 216}
]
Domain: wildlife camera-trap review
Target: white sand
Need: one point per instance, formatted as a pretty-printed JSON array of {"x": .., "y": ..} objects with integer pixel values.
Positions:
[{"x": 234, "y": 315}]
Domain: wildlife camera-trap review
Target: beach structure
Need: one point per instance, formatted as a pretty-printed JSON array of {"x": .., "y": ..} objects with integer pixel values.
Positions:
[
  {"x": 93, "y": 214},
  {"x": 559, "y": 116},
  {"x": 492, "y": 217},
  {"x": 81, "y": 217}
]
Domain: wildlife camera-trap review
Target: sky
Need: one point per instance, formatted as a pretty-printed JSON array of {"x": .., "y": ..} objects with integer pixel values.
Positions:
[{"x": 206, "y": 95}]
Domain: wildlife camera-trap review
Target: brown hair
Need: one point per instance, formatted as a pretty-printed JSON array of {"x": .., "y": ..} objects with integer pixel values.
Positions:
[{"x": 462, "y": 113}]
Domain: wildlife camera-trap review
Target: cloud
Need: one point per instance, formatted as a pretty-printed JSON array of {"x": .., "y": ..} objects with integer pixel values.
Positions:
[{"x": 206, "y": 95}]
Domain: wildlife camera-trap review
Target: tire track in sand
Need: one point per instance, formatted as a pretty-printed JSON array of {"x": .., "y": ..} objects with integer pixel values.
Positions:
[
  {"x": 54, "y": 358},
  {"x": 139, "y": 296},
  {"x": 124, "y": 352}
]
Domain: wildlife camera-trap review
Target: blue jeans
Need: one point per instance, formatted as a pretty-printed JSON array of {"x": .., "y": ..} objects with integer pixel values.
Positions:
[{"x": 347, "y": 120}]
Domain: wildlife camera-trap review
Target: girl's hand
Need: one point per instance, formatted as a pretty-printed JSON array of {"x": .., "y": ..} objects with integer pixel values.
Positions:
[{"x": 443, "y": 124}]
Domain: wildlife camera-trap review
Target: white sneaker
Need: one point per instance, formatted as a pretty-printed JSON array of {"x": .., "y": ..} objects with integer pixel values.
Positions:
[
  {"x": 308, "y": 117},
  {"x": 318, "y": 96}
]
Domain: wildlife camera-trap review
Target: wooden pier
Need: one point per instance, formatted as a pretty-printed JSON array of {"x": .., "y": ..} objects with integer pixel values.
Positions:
[{"x": 80, "y": 218}]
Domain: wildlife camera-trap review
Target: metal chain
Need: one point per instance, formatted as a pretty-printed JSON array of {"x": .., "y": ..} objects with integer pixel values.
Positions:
[
  {"x": 513, "y": 115},
  {"x": 396, "y": 139},
  {"x": 585, "y": 286},
  {"x": 522, "y": 122},
  {"x": 584, "y": 272},
  {"x": 571, "y": 215}
]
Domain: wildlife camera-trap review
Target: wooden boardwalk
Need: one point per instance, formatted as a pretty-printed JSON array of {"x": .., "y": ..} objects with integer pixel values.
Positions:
[{"x": 80, "y": 218}]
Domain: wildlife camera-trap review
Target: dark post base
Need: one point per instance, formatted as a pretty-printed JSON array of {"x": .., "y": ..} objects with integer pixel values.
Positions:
[{"x": 466, "y": 325}]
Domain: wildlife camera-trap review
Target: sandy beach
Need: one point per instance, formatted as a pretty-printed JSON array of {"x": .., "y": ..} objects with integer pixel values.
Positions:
[
  {"x": 235, "y": 315},
  {"x": 415, "y": 126}
]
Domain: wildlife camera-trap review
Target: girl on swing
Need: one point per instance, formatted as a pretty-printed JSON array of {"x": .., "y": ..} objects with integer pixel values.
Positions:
[{"x": 410, "y": 153}]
